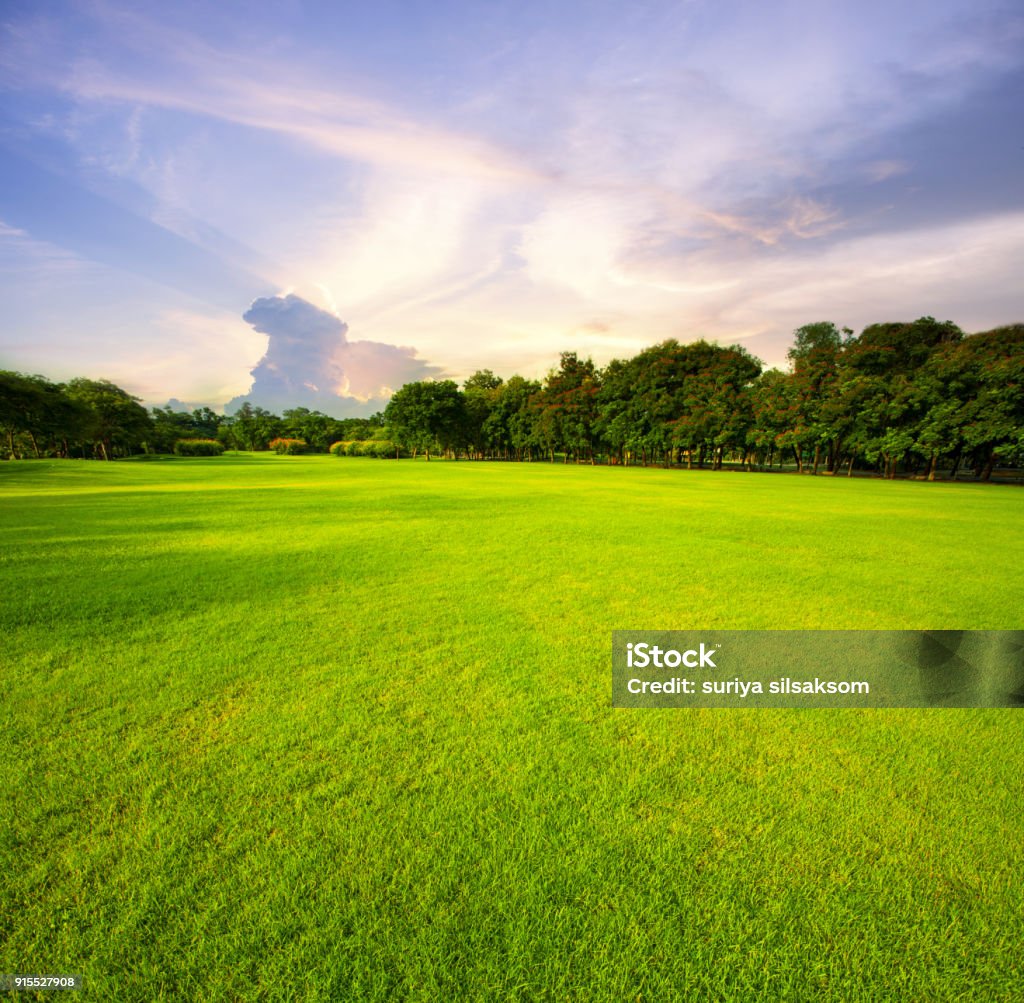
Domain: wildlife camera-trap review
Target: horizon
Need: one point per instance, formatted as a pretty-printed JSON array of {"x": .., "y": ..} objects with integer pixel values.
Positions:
[{"x": 452, "y": 188}]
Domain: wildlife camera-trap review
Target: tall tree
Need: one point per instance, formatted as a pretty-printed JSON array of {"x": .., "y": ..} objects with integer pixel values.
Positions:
[
  {"x": 974, "y": 396},
  {"x": 771, "y": 413},
  {"x": 715, "y": 413},
  {"x": 168, "y": 427},
  {"x": 815, "y": 358},
  {"x": 21, "y": 398},
  {"x": 565, "y": 408},
  {"x": 315, "y": 428},
  {"x": 877, "y": 386},
  {"x": 509, "y": 426},
  {"x": 424, "y": 415},
  {"x": 480, "y": 394},
  {"x": 250, "y": 428},
  {"x": 120, "y": 423}
]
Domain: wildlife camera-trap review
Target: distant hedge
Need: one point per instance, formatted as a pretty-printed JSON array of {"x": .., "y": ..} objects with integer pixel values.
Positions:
[
  {"x": 288, "y": 447},
  {"x": 380, "y": 449},
  {"x": 198, "y": 447}
]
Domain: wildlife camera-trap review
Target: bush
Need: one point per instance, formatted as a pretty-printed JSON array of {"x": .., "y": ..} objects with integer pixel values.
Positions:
[
  {"x": 288, "y": 447},
  {"x": 198, "y": 447},
  {"x": 381, "y": 449}
]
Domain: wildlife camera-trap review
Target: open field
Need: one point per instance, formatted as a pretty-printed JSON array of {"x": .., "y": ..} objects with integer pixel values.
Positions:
[{"x": 319, "y": 728}]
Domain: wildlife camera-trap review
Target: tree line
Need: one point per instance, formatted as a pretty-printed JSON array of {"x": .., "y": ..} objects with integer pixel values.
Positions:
[
  {"x": 910, "y": 397},
  {"x": 900, "y": 397},
  {"x": 96, "y": 419}
]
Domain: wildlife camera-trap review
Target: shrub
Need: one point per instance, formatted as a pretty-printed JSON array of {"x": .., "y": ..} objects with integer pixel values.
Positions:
[
  {"x": 288, "y": 447},
  {"x": 381, "y": 449},
  {"x": 198, "y": 447}
]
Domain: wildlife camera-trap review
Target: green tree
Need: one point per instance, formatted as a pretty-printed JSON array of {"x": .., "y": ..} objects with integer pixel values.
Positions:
[
  {"x": 714, "y": 403},
  {"x": 317, "y": 429},
  {"x": 168, "y": 427},
  {"x": 815, "y": 359},
  {"x": 879, "y": 391},
  {"x": 119, "y": 423},
  {"x": 250, "y": 428},
  {"x": 771, "y": 415},
  {"x": 973, "y": 400},
  {"x": 508, "y": 427},
  {"x": 206, "y": 422},
  {"x": 21, "y": 399},
  {"x": 566, "y": 408},
  {"x": 422, "y": 416},
  {"x": 623, "y": 423},
  {"x": 480, "y": 393}
]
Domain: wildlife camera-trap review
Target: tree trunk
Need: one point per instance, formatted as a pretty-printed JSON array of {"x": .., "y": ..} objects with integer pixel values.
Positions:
[
  {"x": 932, "y": 465},
  {"x": 990, "y": 464},
  {"x": 799, "y": 460},
  {"x": 849, "y": 467},
  {"x": 817, "y": 460}
]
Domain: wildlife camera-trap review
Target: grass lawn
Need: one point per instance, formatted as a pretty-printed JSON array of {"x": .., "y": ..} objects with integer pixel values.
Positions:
[{"x": 340, "y": 729}]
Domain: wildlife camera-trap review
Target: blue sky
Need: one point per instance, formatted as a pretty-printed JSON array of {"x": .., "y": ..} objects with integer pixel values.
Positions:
[{"x": 397, "y": 190}]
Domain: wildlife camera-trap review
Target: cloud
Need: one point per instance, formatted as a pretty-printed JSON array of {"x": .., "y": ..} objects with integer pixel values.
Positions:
[
  {"x": 55, "y": 209},
  {"x": 310, "y": 362},
  {"x": 668, "y": 169},
  {"x": 160, "y": 66},
  {"x": 881, "y": 170},
  {"x": 963, "y": 271}
]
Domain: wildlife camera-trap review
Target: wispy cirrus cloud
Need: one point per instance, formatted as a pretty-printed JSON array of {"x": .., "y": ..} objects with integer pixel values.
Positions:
[
  {"x": 484, "y": 181},
  {"x": 177, "y": 70}
]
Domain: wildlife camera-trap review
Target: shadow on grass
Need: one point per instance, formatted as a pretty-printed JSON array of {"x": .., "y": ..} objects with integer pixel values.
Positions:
[{"x": 227, "y": 457}]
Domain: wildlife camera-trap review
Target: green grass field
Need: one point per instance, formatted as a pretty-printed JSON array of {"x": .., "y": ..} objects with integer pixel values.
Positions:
[{"x": 337, "y": 729}]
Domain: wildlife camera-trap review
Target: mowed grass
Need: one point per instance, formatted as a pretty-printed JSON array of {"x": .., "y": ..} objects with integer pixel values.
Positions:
[{"x": 339, "y": 729}]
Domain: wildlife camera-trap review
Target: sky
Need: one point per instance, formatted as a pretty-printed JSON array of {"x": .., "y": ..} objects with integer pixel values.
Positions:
[{"x": 314, "y": 203}]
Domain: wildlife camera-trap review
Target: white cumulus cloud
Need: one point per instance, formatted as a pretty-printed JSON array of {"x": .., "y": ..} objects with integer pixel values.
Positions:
[{"x": 309, "y": 362}]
